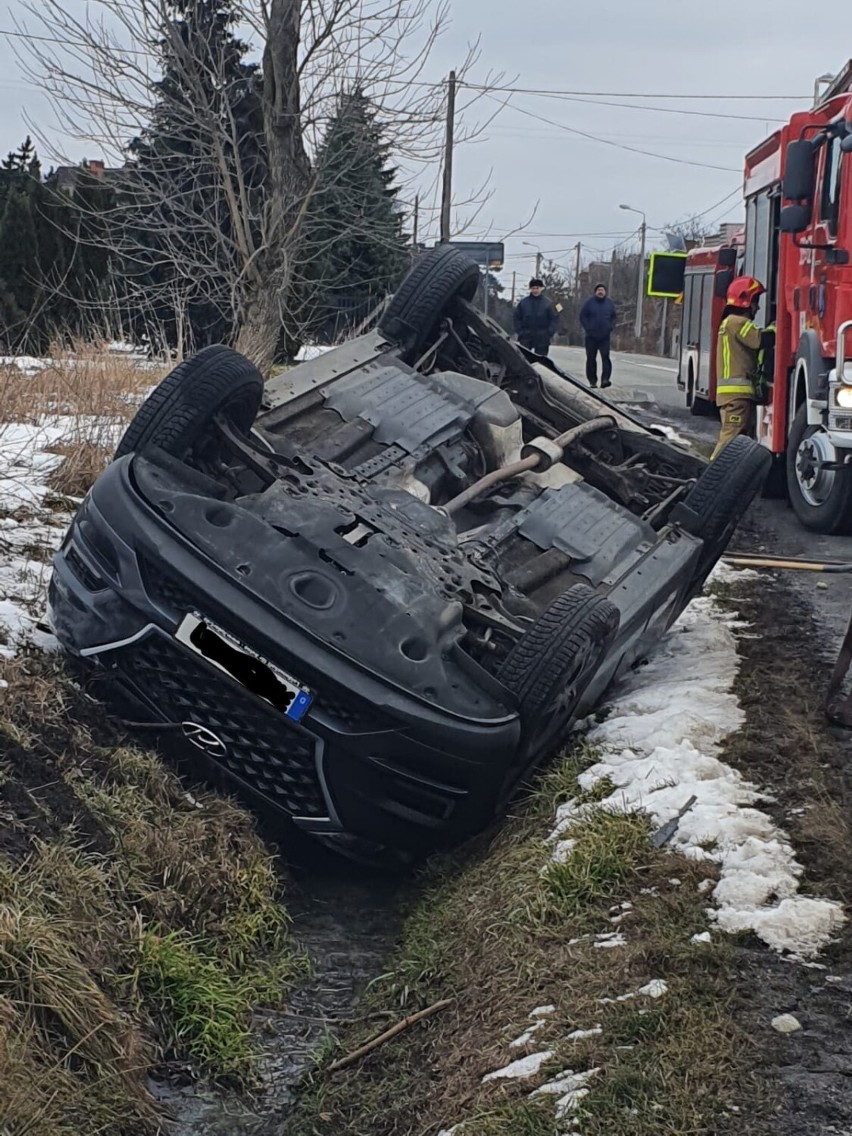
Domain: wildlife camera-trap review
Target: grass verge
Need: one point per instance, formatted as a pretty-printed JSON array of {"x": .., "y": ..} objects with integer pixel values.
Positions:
[
  {"x": 512, "y": 932},
  {"x": 139, "y": 923}
]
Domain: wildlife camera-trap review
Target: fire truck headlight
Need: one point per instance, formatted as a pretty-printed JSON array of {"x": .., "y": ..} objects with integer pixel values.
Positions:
[{"x": 844, "y": 397}]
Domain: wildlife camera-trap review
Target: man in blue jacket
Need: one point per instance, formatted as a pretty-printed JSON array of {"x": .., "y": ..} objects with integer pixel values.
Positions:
[
  {"x": 597, "y": 316},
  {"x": 536, "y": 319}
]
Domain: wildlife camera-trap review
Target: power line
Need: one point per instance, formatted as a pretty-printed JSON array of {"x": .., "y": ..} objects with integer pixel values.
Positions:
[
  {"x": 629, "y": 94},
  {"x": 617, "y": 145},
  {"x": 662, "y": 110}
]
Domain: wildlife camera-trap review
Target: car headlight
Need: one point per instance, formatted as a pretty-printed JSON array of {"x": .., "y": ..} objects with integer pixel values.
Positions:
[{"x": 843, "y": 396}]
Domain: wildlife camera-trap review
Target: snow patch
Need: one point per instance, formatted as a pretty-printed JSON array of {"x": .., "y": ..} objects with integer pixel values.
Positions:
[
  {"x": 660, "y": 745},
  {"x": 30, "y": 536},
  {"x": 524, "y": 1067},
  {"x": 570, "y": 1087},
  {"x": 610, "y": 940},
  {"x": 671, "y": 434},
  {"x": 311, "y": 351},
  {"x": 523, "y": 1040},
  {"x": 581, "y": 1035}
]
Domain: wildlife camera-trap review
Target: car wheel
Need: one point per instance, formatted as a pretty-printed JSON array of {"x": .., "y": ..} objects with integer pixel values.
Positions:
[
  {"x": 176, "y": 416},
  {"x": 438, "y": 277},
  {"x": 550, "y": 666},
  {"x": 821, "y": 498},
  {"x": 720, "y": 498}
]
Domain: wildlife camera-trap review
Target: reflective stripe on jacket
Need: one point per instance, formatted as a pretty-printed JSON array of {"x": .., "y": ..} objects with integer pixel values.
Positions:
[{"x": 737, "y": 357}]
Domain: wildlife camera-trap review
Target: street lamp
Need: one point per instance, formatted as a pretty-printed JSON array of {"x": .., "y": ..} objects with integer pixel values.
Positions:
[
  {"x": 538, "y": 257},
  {"x": 639, "y": 297}
]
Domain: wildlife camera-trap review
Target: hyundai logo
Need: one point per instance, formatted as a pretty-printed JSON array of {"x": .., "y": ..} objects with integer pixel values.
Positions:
[{"x": 204, "y": 739}]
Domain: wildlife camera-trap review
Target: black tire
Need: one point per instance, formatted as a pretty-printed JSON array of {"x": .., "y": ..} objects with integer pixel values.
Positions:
[
  {"x": 177, "y": 414},
  {"x": 721, "y": 497},
  {"x": 553, "y": 662},
  {"x": 833, "y": 514},
  {"x": 775, "y": 486},
  {"x": 702, "y": 407},
  {"x": 438, "y": 277}
]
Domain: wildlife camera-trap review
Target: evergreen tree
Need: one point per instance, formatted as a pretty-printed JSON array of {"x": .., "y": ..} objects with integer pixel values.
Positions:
[
  {"x": 18, "y": 266},
  {"x": 355, "y": 249},
  {"x": 175, "y": 162},
  {"x": 49, "y": 268}
]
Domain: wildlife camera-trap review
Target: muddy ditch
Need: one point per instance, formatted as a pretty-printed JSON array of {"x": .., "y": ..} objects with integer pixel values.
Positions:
[
  {"x": 788, "y": 747},
  {"x": 346, "y": 918}
]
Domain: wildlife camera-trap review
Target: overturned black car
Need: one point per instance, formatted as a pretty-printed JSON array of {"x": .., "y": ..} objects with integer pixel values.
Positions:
[{"x": 377, "y": 589}]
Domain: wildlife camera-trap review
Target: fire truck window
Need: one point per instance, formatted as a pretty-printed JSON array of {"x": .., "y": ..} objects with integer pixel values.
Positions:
[
  {"x": 830, "y": 210},
  {"x": 760, "y": 217},
  {"x": 695, "y": 306},
  {"x": 706, "y": 327},
  {"x": 751, "y": 215}
]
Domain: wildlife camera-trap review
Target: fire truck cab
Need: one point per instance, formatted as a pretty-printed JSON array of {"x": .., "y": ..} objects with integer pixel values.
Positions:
[{"x": 798, "y": 242}]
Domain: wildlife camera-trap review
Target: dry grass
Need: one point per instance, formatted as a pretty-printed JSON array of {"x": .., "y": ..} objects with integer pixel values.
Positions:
[
  {"x": 92, "y": 394},
  {"x": 138, "y": 922},
  {"x": 85, "y": 380}
]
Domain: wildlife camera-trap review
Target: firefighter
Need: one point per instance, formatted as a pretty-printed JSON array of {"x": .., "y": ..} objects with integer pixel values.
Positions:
[{"x": 738, "y": 356}]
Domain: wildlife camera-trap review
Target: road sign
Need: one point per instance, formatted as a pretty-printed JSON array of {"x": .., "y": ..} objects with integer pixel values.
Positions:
[
  {"x": 665, "y": 275},
  {"x": 487, "y": 254}
]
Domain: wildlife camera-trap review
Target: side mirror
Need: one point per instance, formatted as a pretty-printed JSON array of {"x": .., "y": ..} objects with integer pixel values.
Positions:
[
  {"x": 728, "y": 257},
  {"x": 800, "y": 171},
  {"x": 722, "y": 282},
  {"x": 795, "y": 218}
]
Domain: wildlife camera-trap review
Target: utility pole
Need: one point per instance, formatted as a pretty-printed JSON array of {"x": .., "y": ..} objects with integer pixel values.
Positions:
[
  {"x": 611, "y": 272},
  {"x": 416, "y": 221},
  {"x": 514, "y": 280},
  {"x": 485, "y": 292},
  {"x": 538, "y": 265},
  {"x": 579, "y": 248},
  {"x": 641, "y": 286},
  {"x": 663, "y": 326},
  {"x": 447, "y": 196}
]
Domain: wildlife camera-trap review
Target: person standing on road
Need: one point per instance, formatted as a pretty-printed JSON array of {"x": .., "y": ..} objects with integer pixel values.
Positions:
[
  {"x": 738, "y": 350},
  {"x": 597, "y": 317},
  {"x": 536, "y": 319}
]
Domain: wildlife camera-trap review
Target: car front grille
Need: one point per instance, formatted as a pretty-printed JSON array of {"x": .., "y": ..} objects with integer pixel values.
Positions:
[
  {"x": 261, "y": 747},
  {"x": 345, "y": 710}
]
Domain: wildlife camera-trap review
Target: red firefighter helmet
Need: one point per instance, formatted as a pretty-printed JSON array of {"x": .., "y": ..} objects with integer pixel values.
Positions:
[{"x": 744, "y": 291}]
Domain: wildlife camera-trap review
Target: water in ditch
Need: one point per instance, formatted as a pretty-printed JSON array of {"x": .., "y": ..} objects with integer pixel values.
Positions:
[{"x": 346, "y": 918}]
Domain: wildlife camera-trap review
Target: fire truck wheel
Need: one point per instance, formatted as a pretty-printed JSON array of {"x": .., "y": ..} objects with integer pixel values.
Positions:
[
  {"x": 702, "y": 407},
  {"x": 721, "y": 497},
  {"x": 821, "y": 497}
]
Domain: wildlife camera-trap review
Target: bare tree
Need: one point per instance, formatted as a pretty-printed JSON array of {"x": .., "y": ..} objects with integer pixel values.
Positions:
[{"x": 216, "y": 217}]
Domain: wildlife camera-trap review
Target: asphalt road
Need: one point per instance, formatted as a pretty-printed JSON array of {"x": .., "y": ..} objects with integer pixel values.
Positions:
[
  {"x": 636, "y": 379},
  {"x": 648, "y": 386}
]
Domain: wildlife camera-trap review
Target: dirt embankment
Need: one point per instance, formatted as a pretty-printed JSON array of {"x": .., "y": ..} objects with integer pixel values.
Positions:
[{"x": 788, "y": 746}]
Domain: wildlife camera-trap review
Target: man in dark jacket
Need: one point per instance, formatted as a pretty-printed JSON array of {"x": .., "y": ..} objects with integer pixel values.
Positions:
[
  {"x": 597, "y": 316},
  {"x": 536, "y": 320}
]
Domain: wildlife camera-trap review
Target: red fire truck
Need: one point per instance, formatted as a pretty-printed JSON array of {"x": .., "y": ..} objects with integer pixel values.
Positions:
[{"x": 798, "y": 242}]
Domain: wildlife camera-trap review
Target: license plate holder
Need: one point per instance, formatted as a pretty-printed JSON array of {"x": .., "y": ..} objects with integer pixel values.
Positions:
[{"x": 245, "y": 666}]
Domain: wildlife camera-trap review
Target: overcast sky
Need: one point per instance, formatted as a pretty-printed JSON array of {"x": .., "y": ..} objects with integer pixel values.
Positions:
[{"x": 656, "y": 47}]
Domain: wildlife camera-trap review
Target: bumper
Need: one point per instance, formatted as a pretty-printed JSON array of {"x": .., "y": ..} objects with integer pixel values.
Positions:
[{"x": 366, "y": 761}]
